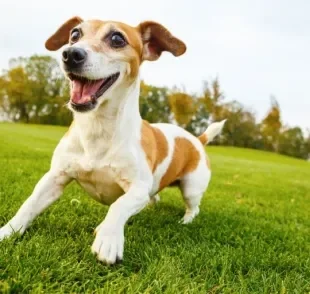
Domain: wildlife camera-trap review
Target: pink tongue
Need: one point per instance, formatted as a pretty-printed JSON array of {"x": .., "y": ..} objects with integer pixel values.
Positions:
[{"x": 81, "y": 92}]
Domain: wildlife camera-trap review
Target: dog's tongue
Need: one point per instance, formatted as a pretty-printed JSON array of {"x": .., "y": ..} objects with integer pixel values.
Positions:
[{"x": 81, "y": 91}]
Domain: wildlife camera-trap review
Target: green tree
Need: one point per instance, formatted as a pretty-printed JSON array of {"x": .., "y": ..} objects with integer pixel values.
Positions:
[
  {"x": 208, "y": 107},
  {"x": 213, "y": 99},
  {"x": 154, "y": 105},
  {"x": 32, "y": 89},
  {"x": 16, "y": 97},
  {"x": 240, "y": 129},
  {"x": 183, "y": 107},
  {"x": 293, "y": 143},
  {"x": 307, "y": 145},
  {"x": 271, "y": 126}
]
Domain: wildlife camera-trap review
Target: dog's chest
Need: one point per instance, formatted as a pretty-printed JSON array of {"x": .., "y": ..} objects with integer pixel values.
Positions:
[
  {"x": 105, "y": 178},
  {"x": 101, "y": 183},
  {"x": 104, "y": 170}
]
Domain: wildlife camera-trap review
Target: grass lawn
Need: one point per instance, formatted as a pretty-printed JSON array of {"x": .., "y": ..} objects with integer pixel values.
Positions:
[{"x": 251, "y": 236}]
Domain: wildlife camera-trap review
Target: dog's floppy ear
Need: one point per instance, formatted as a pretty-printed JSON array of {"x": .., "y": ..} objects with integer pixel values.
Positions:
[
  {"x": 61, "y": 36},
  {"x": 156, "y": 39}
]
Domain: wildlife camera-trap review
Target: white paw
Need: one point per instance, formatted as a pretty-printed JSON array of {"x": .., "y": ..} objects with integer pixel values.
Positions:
[
  {"x": 108, "y": 245},
  {"x": 155, "y": 199},
  {"x": 186, "y": 220},
  {"x": 6, "y": 232},
  {"x": 189, "y": 216}
]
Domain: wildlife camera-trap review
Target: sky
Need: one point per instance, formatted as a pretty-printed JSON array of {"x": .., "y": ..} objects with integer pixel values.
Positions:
[{"x": 257, "y": 48}]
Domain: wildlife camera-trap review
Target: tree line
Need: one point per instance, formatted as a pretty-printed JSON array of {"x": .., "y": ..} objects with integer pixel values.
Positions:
[{"x": 33, "y": 90}]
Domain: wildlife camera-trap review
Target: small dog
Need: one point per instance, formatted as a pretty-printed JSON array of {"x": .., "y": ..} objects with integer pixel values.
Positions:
[{"x": 118, "y": 158}]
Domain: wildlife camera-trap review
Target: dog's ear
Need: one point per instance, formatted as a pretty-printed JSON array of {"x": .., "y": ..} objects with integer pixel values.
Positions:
[
  {"x": 61, "y": 36},
  {"x": 156, "y": 39}
]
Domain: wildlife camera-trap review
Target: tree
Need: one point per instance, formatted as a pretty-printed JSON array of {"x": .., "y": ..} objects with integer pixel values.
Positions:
[
  {"x": 213, "y": 99},
  {"x": 271, "y": 126},
  {"x": 32, "y": 89},
  {"x": 241, "y": 128},
  {"x": 16, "y": 95},
  {"x": 200, "y": 119},
  {"x": 307, "y": 144},
  {"x": 154, "y": 105},
  {"x": 207, "y": 108},
  {"x": 293, "y": 143},
  {"x": 183, "y": 107}
]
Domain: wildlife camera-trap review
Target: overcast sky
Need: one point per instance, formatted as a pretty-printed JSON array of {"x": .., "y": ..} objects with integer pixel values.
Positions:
[{"x": 257, "y": 48}]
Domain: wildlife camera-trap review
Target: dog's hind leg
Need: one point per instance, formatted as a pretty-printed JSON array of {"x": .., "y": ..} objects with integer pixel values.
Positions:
[
  {"x": 192, "y": 203},
  {"x": 193, "y": 187}
]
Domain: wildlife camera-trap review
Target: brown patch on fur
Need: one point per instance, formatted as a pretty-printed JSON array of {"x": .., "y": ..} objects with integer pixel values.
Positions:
[
  {"x": 134, "y": 57},
  {"x": 176, "y": 183},
  {"x": 133, "y": 51},
  {"x": 154, "y": 144},
  {"x": 61, "y": 36},
  {"x": 145, "y": 42},
  {"x": 95, "y": 31},
  {"x": 132, "y": 35},
  {"x": 156, "y": 39},
  {"x": 203, "y": 139},
  {"x": 185, "y": 159},
  {"x": 91, "y": 27}
]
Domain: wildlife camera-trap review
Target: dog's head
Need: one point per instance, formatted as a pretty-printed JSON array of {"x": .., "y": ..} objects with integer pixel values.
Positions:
[{"x": 105, "y": 56}]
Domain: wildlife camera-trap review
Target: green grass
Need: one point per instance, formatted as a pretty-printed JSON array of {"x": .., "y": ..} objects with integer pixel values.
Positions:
[{"x": 252, "y": 235}]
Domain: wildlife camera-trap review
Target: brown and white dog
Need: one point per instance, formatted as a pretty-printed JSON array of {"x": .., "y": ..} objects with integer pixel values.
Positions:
[{"x": 118, "y": 158}]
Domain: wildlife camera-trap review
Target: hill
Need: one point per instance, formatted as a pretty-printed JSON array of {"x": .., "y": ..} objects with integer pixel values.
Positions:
[{"x": 252, "y": 235}]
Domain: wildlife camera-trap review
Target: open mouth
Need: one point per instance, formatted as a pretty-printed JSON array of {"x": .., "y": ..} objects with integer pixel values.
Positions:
[{"x": 85, "y": 92}]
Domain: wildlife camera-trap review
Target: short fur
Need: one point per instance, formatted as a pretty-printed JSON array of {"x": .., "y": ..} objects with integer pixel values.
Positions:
[{"x": 118, "y": 158}]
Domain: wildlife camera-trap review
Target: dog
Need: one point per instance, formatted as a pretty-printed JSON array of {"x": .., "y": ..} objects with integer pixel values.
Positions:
[{"x": 118, "y": 158}]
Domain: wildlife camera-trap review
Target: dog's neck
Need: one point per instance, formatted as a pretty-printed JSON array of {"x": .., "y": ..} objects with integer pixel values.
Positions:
[{"x": 116, "y": 123}]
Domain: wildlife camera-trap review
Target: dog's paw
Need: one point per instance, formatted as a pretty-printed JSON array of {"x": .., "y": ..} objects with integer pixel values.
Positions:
[
  {"x": 186, "y": 220},
  {"x": 5, "y": 232},
  {"x": 108, "y": 245},
  {"x": 189, "y": 216},
  {"x": 155, "y": 199}
]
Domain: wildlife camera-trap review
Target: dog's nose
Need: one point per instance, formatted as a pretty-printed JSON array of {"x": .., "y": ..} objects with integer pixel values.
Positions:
[{"x": 73, "y": 56}]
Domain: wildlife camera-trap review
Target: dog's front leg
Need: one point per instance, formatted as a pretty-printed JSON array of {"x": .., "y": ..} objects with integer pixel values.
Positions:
[
  {"x": 109, "y": 241},
  {"x": 47, "y": 191}
]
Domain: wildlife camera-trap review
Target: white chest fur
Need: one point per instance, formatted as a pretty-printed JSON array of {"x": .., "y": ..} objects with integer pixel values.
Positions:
[
  {"x": 104, "y": 175},
  {"x": 102, "y": 151}
]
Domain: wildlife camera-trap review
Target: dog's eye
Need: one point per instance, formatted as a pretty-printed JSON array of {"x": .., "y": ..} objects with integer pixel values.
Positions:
[
  {"x": 118, "y": 40},
  {"x": 75, "y": 35}
]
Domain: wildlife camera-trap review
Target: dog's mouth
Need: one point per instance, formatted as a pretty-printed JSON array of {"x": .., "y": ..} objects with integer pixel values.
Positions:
[{"x": 86, "y": 92}]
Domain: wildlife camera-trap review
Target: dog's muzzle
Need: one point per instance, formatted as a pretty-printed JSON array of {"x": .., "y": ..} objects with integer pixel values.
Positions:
[{"x": 74, "y": 58}]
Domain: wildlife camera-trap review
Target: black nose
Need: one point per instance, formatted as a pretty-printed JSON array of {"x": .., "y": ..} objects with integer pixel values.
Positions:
[{"x": 74, "y": 57}]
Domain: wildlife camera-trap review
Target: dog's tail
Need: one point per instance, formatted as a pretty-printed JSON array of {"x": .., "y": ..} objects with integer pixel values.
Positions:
[{"x": 211, "y": 132}]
